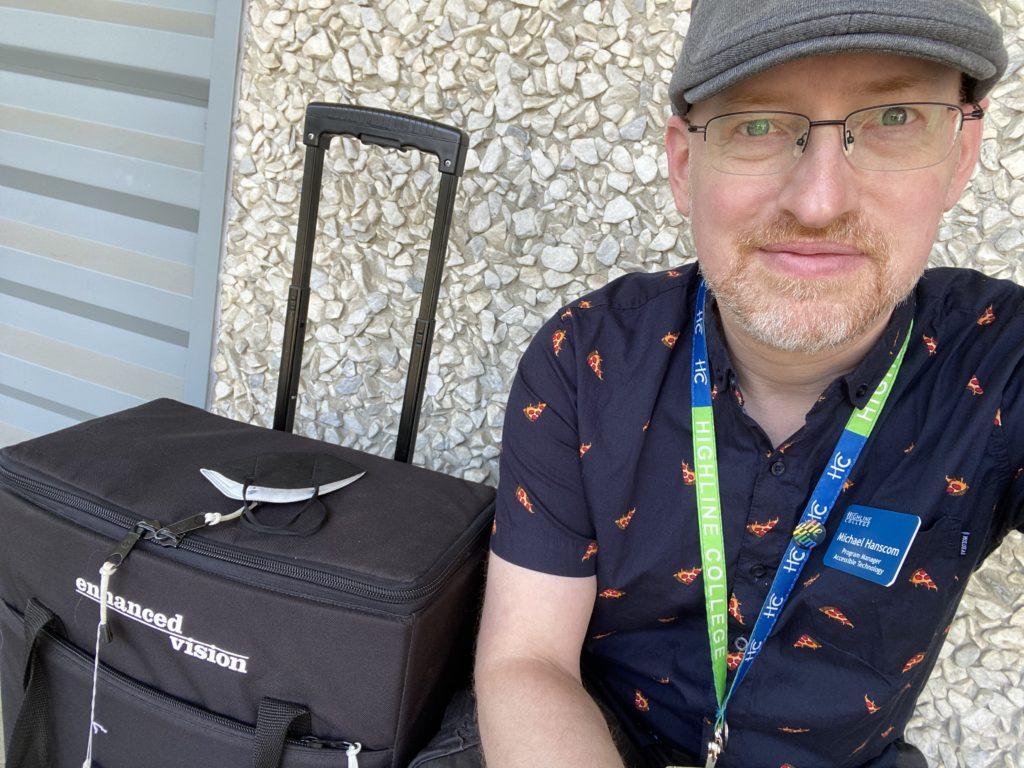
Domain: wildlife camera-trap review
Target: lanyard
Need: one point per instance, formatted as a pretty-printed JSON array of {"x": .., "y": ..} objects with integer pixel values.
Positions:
[{"x": 807, "y": 534}]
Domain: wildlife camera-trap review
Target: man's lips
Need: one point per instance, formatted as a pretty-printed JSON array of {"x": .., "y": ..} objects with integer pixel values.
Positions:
[
  {"x": 811, "y": 260},
  {"x": 819, "y": 248}
]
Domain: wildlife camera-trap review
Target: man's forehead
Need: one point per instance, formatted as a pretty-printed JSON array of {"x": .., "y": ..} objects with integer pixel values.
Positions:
[{"x": 855, "y": 76}]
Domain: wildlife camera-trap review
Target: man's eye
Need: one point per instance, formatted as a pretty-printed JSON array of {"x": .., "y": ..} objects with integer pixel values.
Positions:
[
  {"x": 895, "y": 116},
  {"x": 757, "y": 127}
]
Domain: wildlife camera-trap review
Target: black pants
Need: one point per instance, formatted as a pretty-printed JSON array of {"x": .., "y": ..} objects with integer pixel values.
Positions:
[{"x": 457, "y": 743}]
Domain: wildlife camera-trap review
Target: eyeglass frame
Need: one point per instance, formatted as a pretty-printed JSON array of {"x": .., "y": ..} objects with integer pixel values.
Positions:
[{"x": 976, "y": 114}]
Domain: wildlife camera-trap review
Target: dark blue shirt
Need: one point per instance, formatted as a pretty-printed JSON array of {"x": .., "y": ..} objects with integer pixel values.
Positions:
[{"x": 596, "y": 479}]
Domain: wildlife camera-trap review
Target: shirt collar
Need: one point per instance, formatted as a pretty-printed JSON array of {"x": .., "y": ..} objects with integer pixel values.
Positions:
[{"x": 858, "y": 385}]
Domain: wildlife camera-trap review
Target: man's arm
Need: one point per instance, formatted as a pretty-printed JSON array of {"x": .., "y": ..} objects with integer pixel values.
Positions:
[{"x": 532, "y": 707}]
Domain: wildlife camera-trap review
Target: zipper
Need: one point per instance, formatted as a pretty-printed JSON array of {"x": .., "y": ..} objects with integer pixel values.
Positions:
[
  {"x": 82, "y": 659},
  {"x": 301, "y": 573}
]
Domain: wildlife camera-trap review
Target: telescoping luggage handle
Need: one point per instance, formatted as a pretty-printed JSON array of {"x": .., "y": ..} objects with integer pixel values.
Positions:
[{"x": 386, "y": 129}]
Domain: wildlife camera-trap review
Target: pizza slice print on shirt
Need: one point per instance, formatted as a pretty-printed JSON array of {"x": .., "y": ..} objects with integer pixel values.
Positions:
[
  {"x": 836, "y": 615},
  {"x": 523, "y": 499},
  {"x": 591, "y": 551},
  {"x": 762, "y": 529},
  {"x": 955, "y": 486},
  {"x": 913, "y": 661},
  {"x": 885, "y": 734},
  {"x": 640, "y": 701},
  {"x": 734, "y": 608},
  {"x": 623, "y": 522},
  {"x": 806, "y": 641},
  {"x": 931, "y": 345},
  {"x": 557, "y": 340},
  {"x": 594, "y": 361},
  {"x": 584, "y": 447},
  {"x": 670, "y": 339},
  {"x": 567, "y": 313},
  {"x": 998, "y": 420},
  {"x": 689, "y": 476},
  {"x": 872, "y": 707},
  {"x": 687, "y": 575},
  {"x": 920, "y": 578},
  {"x": 612, "y": 594},
  {"x": 673, "y": 273},
  {"x": 584, "y": 305},
  {"x": 987, "y": 317},
  {"x": 790, "y": 729},
  {"x": 974, "y": 386},
  {"x": 811, "y": 580},
  {"x": 732, "y": 660},
  {"x": 533, "y": 411}
]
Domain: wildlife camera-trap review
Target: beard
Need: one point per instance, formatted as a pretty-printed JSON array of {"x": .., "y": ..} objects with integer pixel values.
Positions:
[{"x": 811, "y": 315}]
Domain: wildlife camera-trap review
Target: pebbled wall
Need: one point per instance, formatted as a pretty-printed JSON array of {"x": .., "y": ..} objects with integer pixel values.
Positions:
[{"x": 565, "y": 189}]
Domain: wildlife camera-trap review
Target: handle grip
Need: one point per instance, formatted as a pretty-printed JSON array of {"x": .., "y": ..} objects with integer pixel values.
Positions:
[{"x": 386, "y": 129}]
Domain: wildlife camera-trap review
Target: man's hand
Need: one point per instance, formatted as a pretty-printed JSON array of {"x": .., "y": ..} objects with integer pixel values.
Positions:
[{"x": 532, "y": 707}]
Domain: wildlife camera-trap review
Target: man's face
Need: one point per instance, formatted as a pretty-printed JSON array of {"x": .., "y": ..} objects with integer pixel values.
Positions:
[{"x": 813, "y": 303}]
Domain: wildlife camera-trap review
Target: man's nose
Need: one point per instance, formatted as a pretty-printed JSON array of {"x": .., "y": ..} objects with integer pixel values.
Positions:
[{"x": 822, "y": 185}]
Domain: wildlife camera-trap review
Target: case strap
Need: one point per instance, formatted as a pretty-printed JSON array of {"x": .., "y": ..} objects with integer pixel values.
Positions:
[
  {"x": 29, "y": 746},
  {"x": 275, "y": 721}
]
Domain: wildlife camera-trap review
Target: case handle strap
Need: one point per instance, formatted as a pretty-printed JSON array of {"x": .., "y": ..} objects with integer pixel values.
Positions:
[
  {"x": 29, "y": 747},
  {"x": 275, "y": 721}
]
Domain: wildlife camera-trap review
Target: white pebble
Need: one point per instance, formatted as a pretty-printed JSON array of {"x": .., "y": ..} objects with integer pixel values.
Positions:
[{"x": 618, "y": 210}]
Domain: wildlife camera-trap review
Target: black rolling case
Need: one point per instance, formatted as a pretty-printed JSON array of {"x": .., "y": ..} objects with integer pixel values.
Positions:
[{"x": 225, "y": 643}]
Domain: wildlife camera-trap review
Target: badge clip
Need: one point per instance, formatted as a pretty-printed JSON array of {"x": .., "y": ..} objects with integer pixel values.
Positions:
[{"x": 717, "y": 746}]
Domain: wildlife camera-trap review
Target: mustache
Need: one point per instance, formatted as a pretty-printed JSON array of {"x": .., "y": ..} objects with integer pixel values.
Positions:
[{"x": 848, "y": 231}]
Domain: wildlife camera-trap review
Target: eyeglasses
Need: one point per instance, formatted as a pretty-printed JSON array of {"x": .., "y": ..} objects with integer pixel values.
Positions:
[{"x": 888, "y": 137}]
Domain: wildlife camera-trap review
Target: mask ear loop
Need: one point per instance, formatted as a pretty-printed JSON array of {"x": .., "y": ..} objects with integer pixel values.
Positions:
[{"x": 287, "y": 528}]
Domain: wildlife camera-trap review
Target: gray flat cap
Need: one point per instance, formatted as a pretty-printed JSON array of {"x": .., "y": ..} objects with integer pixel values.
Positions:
[{"x": 730, "y": 40}]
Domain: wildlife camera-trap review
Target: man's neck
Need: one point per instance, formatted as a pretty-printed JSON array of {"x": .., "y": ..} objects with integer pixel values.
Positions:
[{"x": 779, "y": 387}]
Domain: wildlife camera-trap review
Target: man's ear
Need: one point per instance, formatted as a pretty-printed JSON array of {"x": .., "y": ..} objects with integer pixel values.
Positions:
[
  {"x": 968, "y": 147},
  {"x": 677, "y": 145}
]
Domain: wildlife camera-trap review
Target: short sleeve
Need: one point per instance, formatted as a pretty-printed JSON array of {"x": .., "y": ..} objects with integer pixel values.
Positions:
[{"x": 541, "y": 519}]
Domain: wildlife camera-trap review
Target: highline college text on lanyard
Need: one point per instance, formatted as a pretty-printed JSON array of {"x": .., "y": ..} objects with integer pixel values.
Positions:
[{"x": 807, "y": 534}]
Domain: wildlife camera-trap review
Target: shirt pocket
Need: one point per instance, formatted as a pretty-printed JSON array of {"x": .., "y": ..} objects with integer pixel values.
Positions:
[{"x": 891, "y": 629}]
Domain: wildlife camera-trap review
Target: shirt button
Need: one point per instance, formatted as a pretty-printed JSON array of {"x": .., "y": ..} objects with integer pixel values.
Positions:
[
  {"x": 778, "y": 468},
  {"x": 740, "y": 643},
  {"x": 758, "y": 571}
]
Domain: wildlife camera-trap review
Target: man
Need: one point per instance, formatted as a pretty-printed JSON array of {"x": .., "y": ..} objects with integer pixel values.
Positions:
[{"x": 865, "y": 424}]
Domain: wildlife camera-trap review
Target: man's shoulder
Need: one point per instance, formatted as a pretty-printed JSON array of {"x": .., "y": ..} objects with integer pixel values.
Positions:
[
  {"x": 961, "y": 289},
  {"x": 633, "y": 291}
]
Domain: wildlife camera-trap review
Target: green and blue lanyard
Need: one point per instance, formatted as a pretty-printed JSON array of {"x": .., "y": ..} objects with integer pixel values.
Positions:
[{"x": 808, "y": 533}]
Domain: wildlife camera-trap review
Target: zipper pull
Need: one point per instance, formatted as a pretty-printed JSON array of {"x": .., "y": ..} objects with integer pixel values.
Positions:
[
  {"x": 352, "y": 750},
  {"x": 143, "y": 529},
  {"x": 171, "y": 535}
]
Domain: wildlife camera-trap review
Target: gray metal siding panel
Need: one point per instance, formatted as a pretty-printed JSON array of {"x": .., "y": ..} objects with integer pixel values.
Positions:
[{"x": 115, "y": 128}]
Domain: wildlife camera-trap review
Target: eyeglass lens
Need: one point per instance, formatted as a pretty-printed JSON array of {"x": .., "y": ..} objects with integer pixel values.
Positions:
[{"x": 888, "y": 138}]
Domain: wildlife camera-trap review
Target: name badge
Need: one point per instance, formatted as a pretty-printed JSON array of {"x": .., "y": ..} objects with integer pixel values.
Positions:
[{"x": 872, "y": 543}]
